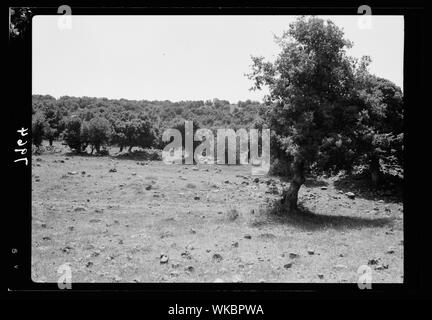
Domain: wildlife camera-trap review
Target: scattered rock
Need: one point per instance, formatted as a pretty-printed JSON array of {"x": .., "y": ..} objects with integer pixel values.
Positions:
[
  {"x": 66, "y": 249},
  {"x": 79, "y": 209},
  {"x": 174, "y": 273},
  {"x": 293, "y": 255},
  {"x": 311, "y": 252},
  {"x": 192, "y": 231},
  {"x": 390, "y": 251},
  {"x": 256, "y": 180},
  {"x": 235, "y": 244},
  {"x": 186, "y": 255},
  {"x": 381, "y": 267},
  {"x": 89, "y": 264},
  {"x": 197, "y": 198},
  {"x": 248, "y": 236},
  {"x": 163, "y": 258},
  {"x": 148, "y": 187},
  {"x": 113, "y": 170},
  {"x": 372, "y": 262},
  {"x": 321, "y": 276},
  {"x": 190, "y": 269},
  {"x": 323, "y": 188},
  {"x": 217, "y": 257},
  {"x": 350, "y": 195},
  {"x": 288, "y": 265}
]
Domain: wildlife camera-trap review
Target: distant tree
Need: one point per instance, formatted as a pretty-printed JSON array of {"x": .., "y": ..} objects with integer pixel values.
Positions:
[
  {"x": 118, "y": 136},
  {"x": 99, "y": 132},
  {"x": 139, "y": 133}
]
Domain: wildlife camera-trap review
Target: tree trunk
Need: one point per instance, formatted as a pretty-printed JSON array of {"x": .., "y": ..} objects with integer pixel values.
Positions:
[
  {"x": 50, "y": 142},
  {"x": 375, "y": 171},
  {"x": 130, "y": 149},
  {"x": 290, "y": 197},
  {"x": 121, "y": 148}
]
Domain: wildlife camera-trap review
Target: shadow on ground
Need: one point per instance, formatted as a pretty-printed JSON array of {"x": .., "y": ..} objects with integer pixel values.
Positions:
[{"x": 307, "y": 220}]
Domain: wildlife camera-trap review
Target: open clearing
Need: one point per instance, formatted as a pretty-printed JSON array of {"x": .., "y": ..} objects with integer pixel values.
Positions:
[{"x": 120, "y": 220}]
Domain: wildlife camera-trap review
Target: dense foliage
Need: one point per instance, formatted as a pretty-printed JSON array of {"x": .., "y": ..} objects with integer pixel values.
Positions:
[
  {"x": 98, "y": 122},
  {"x": 325, "y": 110}
]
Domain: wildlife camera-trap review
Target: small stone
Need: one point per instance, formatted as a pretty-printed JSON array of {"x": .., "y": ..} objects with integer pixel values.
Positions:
[
  {"x": 381, "y": 267},
  {"x": 350, "y": 195},
  {"x": 190, "y": 269},
  {"x": 235, "y": 244},
  {"x": 311, "y": 252},
  {"x": 248, "y": 236},
  {"x": 293, "y": 255},
  {"x": 321, "y": 276},
  {"x": 217, "y": 257},
  {"x": 288, "y": 265},
  {"x": 163, "y": 258},
  {"x": 340, "y": 266},
  {"x": 197, "y": 198},
  {"x": 113, "y": 170}
]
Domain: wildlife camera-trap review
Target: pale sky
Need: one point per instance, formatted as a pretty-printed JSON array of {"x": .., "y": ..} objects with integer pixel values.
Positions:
[{"x": 182, "y": 57}]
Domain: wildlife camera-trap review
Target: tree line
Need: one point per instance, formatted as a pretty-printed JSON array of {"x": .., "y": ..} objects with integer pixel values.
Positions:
[
  {"x": 326, "y": 111},
  {"x": 99, "y": 122}
]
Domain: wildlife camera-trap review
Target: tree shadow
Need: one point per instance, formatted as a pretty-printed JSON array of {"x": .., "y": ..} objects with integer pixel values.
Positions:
[
  {"x": 308, "y": 220},
  {"x": 389, "y": 190}
]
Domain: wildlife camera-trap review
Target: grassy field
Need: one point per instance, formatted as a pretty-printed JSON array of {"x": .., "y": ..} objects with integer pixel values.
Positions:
[{"x": 120, "y": 220}]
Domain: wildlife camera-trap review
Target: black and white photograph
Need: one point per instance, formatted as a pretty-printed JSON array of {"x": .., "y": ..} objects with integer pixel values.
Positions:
[{"x": 225, "y": 148}]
